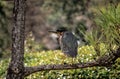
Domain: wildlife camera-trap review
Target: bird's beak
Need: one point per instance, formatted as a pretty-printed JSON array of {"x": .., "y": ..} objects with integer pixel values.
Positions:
[{"x": 52, "y": 31}]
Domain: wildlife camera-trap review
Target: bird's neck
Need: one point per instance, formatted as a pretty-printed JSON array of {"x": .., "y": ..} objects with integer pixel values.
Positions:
[{"x": 61, "y": 35}]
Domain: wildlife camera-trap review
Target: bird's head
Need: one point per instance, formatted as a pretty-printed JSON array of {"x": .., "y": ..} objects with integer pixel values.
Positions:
[{"x": 59, "y": 31}]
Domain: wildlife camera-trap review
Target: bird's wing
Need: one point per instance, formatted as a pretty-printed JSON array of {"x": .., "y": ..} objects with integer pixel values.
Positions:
[{"x": 69, "y": 44}]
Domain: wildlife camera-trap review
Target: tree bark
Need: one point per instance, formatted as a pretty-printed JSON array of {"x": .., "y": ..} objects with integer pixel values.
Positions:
[{"x": 16, "y": 66}]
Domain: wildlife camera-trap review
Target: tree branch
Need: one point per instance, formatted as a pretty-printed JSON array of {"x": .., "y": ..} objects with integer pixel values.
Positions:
[
  {"x": 106, "y": 60},
  {"x": 29, "y": 70}
]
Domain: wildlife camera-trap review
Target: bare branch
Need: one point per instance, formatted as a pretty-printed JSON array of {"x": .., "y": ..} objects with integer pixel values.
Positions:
[
  {"x": 106, "y": 60},
  {"x": 29, "y": 70}
]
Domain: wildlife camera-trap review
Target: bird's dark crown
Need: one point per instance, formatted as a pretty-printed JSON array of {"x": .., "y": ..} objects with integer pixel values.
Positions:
[{"x": 61, "y": 29}]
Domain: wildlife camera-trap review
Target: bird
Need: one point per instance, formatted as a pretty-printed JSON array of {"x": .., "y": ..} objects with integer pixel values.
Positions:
[{"x": 67, "y": 41}]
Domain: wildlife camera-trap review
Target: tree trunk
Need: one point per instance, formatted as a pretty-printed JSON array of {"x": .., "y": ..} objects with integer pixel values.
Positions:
[{"x": 16, "y": 66}]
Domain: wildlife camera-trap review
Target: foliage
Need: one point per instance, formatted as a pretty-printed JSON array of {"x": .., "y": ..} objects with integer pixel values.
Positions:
[
  {"x": 4, "y": 28},
  {"x": 69, "y": 8},
  {"x": 107, "y": 28},
  {"x": 109, "y": 24},
  {"x": 85, "y": 54},
  {"x": 31, "y": 45}
]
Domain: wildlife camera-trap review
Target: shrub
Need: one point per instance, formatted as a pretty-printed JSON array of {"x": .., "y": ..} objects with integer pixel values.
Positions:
[{"x": 85, "y": 54}]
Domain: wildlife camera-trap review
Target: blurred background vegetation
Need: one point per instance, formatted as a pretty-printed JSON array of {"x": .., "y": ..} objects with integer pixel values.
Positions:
[{"x": 96, "y": 24}]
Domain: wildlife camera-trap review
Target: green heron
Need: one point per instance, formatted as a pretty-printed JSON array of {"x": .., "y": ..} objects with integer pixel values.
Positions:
[{"x": 68, "y": 42}]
